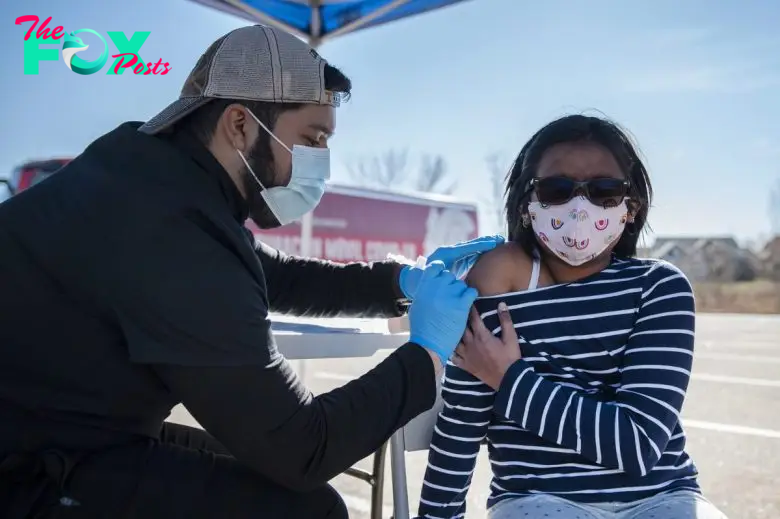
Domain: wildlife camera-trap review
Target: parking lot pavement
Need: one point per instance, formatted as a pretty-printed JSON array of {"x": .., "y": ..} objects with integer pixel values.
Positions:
[{"x": 731, "y": 417}]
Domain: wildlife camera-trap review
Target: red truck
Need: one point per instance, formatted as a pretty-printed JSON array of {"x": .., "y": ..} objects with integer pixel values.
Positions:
[
  {"x": 349, "y": 224},
  {"x": 361, "y": 224},
  {"x": 30, "y": 173}
]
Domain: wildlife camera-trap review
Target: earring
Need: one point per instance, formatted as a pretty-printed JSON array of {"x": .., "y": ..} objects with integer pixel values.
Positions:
[
  {"x": 525, "y": 220},
  {"x": 630, "y": 227}
]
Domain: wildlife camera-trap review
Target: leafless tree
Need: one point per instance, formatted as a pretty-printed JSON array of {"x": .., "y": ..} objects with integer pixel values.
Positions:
[
  {"x": 383, "y": 171},
  {"x": 497, "y": 168},
  {"x": 432, "y": 176},
  {"x": 774, "y": 209},
  {"x": 391, "y": 170}
]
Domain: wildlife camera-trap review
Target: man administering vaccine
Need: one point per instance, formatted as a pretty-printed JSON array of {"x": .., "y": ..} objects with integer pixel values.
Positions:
[{"x": 130, "y": 285}]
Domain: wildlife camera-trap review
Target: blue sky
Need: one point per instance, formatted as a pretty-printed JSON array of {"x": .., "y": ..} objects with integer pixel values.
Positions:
[{"x": 697, "y": 85}]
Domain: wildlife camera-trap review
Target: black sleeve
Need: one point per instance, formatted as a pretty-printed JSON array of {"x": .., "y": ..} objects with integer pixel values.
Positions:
[
  {"x": 318, "y": 288},
  {"x": 269, "y": 421},
  {"x": 190, "y": 306}
]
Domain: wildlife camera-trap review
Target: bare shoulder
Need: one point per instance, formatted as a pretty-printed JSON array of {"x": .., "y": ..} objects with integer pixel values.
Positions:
[{"x": 507, "y": 268}]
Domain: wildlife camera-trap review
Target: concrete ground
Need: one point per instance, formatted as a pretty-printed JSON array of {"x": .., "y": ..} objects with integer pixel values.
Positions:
[{"x": 732, "y": 416}]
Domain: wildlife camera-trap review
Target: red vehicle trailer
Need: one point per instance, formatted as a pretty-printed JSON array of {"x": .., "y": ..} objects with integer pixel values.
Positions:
[
  {"x": 361, "y": 224},
  {"x": 30, "y": 173}
]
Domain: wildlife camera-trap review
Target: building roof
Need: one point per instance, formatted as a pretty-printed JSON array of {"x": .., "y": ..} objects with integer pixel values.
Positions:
[
  {"x": 687, "y": 242},
  {"x": 665, "y": 249}
]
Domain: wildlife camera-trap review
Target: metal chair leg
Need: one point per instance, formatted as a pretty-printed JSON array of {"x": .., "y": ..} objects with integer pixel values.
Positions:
[
  {"x": 375, "y": 478},
  {"x": 378, "y": 485},
  {"x": 398, "y": 462}
]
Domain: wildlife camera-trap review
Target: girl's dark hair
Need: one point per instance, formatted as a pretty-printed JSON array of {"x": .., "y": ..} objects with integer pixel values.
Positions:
[{"x": 578, "y": 128}]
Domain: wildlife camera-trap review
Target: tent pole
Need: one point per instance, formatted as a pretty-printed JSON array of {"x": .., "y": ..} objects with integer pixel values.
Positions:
[
  {"x": 307, "y": 221},
  {"x": 307, "y": 235}
]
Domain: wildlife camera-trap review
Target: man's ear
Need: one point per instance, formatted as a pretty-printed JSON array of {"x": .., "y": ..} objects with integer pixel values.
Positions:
[{"x": 233, "y": 124}]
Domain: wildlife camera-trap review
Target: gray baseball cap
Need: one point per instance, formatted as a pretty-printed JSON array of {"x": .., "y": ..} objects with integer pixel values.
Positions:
[{"x": 255, "y": 63}]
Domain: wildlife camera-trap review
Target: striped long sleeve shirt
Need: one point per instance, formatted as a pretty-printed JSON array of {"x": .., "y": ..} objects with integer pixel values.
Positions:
[{"x": 591, "y": 412}]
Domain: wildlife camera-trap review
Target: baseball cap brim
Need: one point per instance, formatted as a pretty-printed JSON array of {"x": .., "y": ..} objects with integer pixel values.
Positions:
[{"x": 172, "y": 113}]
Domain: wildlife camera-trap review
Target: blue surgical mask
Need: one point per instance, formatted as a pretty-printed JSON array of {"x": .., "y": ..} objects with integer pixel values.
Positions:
[{"x": 310, "y": 171}]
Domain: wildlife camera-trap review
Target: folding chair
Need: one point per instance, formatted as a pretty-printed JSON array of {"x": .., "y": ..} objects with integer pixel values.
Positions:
[{"x": 415, "y": 436}]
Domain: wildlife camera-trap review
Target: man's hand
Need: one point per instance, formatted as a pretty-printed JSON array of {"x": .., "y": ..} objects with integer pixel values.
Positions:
[
  {"x": 484, "y": 355},
  {"x": 409, "y": 277},
  {"x": 437, "y": 317}
]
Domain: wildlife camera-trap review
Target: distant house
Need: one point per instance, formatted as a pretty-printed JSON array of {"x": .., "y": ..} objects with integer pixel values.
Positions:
[
  {"x": 718, "y": 258},
  {"x": 770, "y": 258},
  {"x": 670, "y": 251},
  {"x": 771, "y": 249}
]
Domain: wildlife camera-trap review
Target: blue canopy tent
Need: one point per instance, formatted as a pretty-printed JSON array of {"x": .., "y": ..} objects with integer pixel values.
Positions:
[{"x": 320, "y": 20}]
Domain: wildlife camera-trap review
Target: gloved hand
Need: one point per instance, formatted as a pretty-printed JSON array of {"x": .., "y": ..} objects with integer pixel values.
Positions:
[
  {"x": 448, "y": 255},
  {"x": 438, "y": 315}
]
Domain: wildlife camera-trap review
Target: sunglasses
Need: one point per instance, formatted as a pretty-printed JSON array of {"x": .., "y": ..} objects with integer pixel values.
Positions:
[{"x": 604, "y": 192}]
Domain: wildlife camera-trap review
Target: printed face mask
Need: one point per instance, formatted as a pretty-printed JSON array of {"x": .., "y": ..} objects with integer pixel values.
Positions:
[
  {"x": 578, "y": 230},
  {"x": 310, "y": 171}
]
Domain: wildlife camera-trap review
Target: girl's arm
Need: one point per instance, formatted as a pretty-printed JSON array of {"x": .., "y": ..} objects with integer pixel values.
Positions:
[{"x": 460, "y": 429}]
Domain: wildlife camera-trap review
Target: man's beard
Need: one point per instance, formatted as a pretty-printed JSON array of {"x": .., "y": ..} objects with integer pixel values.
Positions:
[{"x": 259, "y": 211}]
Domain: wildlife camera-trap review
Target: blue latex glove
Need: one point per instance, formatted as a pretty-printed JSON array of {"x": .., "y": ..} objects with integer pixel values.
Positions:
[
  {"x": 448, "y": 255},
  {"x": 438, "y": 315}
]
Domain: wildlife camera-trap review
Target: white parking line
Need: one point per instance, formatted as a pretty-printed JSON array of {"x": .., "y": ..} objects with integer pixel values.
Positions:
[
  {"x": 738, "y": 345},
  {"x": 729, "y": 428},
  {"x": 763, "y": 359},
  {"x": 762, "y": 382},
  {"x": 334, "y": 376},
  {"x": 707, "y": 377}
]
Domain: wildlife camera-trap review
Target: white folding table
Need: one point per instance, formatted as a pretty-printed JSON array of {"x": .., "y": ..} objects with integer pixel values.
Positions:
[{"x": 312, "y": 339}]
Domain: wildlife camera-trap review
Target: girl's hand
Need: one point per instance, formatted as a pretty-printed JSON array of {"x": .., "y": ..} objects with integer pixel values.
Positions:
[{"x": 484, "y": 355}]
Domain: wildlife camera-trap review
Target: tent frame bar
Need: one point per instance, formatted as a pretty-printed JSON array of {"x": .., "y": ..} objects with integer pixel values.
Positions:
[
  {"x": 360, "y": 22},
  {"x": 315, "y": 39},
  {"x": 264, "y": 18}
]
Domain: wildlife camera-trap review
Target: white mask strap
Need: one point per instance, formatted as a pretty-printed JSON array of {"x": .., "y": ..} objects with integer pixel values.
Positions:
[
  {"x": 249, "y": 168},
  {"x": 264, "y": 127}
]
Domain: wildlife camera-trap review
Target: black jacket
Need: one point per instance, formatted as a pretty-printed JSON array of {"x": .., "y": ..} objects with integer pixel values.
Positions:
[{"x": 130, "y": 285}]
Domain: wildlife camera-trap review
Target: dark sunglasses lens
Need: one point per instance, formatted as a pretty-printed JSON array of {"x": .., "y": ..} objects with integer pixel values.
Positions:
[
  {"x": 554, "y": 190},
  {"x": 607, "y": 192}
]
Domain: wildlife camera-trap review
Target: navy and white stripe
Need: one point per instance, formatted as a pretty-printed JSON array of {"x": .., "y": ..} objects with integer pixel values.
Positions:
[{"x": 592, "y": 411}]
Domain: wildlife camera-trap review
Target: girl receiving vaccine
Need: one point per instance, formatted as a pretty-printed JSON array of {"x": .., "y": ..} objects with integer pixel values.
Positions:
[{"x": 580, "y": 401}]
